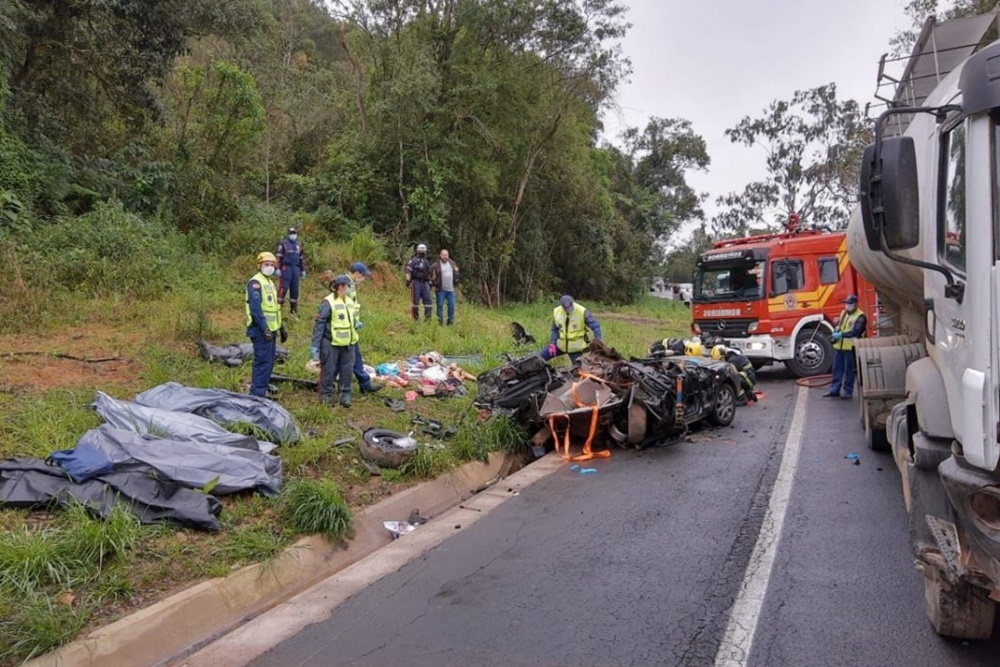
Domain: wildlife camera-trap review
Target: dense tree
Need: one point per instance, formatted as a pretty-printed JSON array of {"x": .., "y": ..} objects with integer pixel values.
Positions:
[{"x": 813, "y": 145}]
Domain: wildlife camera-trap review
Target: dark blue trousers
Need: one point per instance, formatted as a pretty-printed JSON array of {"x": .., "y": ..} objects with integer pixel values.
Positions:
[
  {"x": 263, "y": 361},
  {"x": 843, "y": 373},
  {"x": 289, "y": 283},
  {"x": 335, "y": 363},
  {"x": 420, "y": 292},
  {"x": 364, "y": 381},
  {"x": 544, "y": 354}
]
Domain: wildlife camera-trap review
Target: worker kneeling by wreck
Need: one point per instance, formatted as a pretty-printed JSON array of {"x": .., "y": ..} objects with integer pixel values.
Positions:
[{"x": 606, "y": 399}]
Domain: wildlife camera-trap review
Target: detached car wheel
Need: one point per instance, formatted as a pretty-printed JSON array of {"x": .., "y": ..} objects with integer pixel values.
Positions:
[{"x": 725, "y": 406}]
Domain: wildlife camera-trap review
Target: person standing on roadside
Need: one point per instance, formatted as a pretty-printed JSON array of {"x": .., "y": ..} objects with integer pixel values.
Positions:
[
  {"x": 444, "y": 277},
  {"x": 359, "y": 272},
  {"x": 418, "y": 274},
  {"x": 263, "y": 316},
  {"x": 334, "y": 335},
  {"x": 291, "y": 267},
  {"x": 852, "y": 324}
]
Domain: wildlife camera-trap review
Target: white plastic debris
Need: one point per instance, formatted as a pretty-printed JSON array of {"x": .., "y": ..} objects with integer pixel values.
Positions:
[{"x": 398, "y": 528}]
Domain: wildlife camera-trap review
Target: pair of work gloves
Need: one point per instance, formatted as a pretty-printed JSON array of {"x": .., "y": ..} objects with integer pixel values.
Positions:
[
  {"x": 282, "y": 334},
  {"x": 836, "y": 336}
]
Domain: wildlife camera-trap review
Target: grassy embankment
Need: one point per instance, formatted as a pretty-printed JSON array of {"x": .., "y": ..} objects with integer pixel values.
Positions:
[{"x": 62, "y": 573}]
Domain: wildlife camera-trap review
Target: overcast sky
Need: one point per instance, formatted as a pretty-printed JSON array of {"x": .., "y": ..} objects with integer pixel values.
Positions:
[{"x": 715, "y": 61}]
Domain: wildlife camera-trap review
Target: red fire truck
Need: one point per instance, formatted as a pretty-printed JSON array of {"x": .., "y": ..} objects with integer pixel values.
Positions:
[{"x": 777, "y": 297}]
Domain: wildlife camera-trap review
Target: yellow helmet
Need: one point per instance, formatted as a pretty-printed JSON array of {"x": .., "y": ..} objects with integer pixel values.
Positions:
[
  {"x": 266, "y": 257},
  {"x": 718, "y": 351},
  {"x": 692, "y": 349}
]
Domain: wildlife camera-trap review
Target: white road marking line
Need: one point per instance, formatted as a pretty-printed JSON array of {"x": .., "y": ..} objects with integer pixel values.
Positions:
[{"x": 734, "y": 651}]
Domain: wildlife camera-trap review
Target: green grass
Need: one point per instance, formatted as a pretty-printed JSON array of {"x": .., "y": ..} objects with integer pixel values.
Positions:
[
  {"x": 116, "y": 566},
  {"x": 315, "y": 507}
]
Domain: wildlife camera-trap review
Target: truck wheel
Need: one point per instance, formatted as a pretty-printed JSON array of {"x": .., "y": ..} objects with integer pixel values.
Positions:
[
  {"x": 725, "y": 407},
  {"x": 875, "y": 436},
  {"x": 813, "y": 354},
  {"x": 959, "y": 610}
]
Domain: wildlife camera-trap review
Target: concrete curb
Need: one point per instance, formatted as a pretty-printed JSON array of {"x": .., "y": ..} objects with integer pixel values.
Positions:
[{"x": 212, "y": 608}]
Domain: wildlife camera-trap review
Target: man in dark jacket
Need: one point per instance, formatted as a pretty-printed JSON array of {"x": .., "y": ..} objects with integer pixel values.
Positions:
[
  {"x": 444, "y": 277},
  {"x": 418, "y": 275}
]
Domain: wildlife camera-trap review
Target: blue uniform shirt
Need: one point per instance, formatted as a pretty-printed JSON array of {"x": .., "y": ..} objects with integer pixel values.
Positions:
[{"x": 290, "y": 255}]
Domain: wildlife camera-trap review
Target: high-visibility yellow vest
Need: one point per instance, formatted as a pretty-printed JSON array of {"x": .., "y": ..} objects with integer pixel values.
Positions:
[
  {"x": 343, "y": 315},
  {"x": 572, "y": 328},
  {"x": 847, "y": 321},
  {"x": 268, "y": 302}
]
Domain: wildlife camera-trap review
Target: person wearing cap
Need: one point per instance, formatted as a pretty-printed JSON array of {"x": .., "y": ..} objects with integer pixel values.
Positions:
[
  {"x": 418, "y": 275},
  {"x": 444, "y": 277},
  {"x": 359, "y": 271},
  {"x": 291, "y": 267},
  {"x": 570, "y": 322},
  {"x": 334, "y": 336},
  {"x": 263, "y": 317},
  {"x": 852, "y": 324}
]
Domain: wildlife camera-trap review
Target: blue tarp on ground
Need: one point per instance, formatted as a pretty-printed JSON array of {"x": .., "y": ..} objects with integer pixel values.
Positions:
[
  {"x": 197, "y": 465},
  {"x": 224, "y": 407}
]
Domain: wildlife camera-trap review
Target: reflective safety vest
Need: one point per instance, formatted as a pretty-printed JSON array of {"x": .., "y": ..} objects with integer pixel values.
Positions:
[
  {"x": 268, "y": 302},
  {"x": 847, "y": 321},
  {"x": 572, "y": 328},
  {"x": 352, "y": 294},
  {"x": 343, "y": 315}
]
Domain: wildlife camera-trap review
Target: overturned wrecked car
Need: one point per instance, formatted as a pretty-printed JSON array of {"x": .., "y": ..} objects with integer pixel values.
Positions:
[{"x": 606, "y": 399}]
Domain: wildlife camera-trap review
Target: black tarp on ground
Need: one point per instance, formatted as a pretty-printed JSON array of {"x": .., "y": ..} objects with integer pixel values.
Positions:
[
  {"x": 196, "y": 465},
  {"x": 28, "y": 483},
  {"x": 224, "y": 407},
  {"x": 170, "y": 424}
]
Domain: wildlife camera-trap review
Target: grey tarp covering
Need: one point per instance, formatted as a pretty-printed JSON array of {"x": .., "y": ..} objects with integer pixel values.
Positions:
[
  {"x": 224, "y": 407},
  {"x": 26, "y": 483},
  {"x": 235, "y": 354},
  {"x": 192, "y": 464},
  {"x": 169, "y": 424}
]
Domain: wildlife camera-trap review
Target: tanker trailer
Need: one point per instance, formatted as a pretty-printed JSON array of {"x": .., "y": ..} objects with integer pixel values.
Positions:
[{"x": 927, "y": 235}]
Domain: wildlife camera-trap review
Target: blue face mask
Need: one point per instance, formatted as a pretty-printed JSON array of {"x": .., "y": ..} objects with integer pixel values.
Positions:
[{"x": 293, "y": 237}]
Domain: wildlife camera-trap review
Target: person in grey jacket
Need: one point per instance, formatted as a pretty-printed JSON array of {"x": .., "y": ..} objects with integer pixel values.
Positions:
[{"x": 444, "y": 277}]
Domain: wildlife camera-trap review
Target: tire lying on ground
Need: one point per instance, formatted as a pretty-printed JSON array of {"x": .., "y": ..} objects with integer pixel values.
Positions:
[{"x": 387, "y": 449}]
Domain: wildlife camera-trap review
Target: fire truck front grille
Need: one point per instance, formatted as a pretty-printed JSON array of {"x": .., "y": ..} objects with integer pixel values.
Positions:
[{"x": 732, "y": 328}]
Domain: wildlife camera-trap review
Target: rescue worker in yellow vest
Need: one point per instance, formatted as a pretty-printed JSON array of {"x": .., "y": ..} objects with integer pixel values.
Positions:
[
  {"x": 743, "y": 366},
  {"x": 334, "y": 336},
  {"x": 851, "y": 325},
  {"x": 263, "y": 322},
  {"x": 570, "y": 322}
]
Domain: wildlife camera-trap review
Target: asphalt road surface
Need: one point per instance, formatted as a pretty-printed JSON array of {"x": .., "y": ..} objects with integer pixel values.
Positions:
[{"x": 640, "y": 564}]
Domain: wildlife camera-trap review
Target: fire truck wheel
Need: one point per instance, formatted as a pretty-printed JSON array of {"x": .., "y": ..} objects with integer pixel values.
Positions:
[{"x": 813, "y": 354}]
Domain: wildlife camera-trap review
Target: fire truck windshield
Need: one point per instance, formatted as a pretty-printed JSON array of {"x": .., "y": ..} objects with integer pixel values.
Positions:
[{"x": 727, "y": 283}]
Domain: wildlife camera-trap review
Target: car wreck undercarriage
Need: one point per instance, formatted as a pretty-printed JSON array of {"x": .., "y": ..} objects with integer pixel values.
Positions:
[{"x": 605, "y": 400}]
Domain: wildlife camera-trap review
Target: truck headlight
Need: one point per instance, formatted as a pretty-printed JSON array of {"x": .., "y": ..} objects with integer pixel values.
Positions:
[{"x": 753, "y": 326}]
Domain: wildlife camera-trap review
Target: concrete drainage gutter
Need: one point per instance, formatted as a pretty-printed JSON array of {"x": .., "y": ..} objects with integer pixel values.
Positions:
[{"x": 195, "y": 616}]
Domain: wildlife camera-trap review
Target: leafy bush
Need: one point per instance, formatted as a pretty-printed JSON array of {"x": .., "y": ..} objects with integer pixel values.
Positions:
[
  {"x": 316, "y": 507},
  {"x": 107, "y": 251}
]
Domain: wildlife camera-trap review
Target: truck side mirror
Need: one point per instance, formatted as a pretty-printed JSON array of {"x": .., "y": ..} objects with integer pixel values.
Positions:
[{"x": 890, "y": 195}]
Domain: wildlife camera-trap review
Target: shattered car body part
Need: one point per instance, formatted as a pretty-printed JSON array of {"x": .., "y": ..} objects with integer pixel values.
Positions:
[
  {"x": 235, "y": 354},
  {"x": 638, "y": 402},
  {"x": 170, "y": 424},
  {"x": 224, "y": 407},
  {"x": 398, "y": 528},
  {"x": 387, "y": 449}
]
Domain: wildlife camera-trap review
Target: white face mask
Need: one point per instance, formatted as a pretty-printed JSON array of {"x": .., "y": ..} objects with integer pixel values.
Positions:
[
  {"x": 268, "y": 270},
  {"x": 292, "y": 237},
  {"x": 850, "y": 307}
]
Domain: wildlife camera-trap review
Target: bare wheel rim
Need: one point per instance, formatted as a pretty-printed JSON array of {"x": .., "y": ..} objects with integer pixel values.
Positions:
[{"x": 810, "y": 355}]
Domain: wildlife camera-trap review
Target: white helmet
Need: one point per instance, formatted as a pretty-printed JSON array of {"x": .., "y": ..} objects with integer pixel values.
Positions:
[{"x": 421, "y": 248}]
